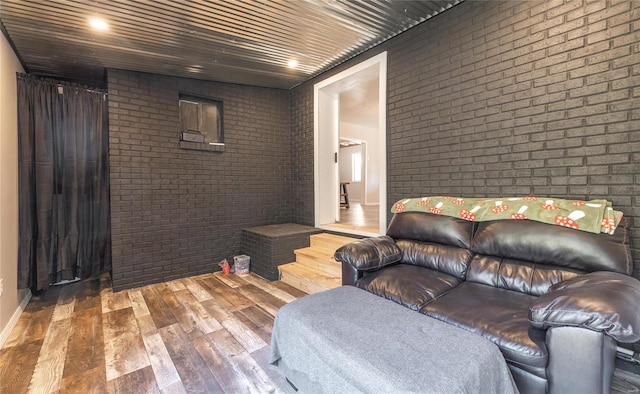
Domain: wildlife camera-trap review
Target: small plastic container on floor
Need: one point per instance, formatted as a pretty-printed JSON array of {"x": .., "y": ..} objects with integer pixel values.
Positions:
[{"x": 241, "y": 264}]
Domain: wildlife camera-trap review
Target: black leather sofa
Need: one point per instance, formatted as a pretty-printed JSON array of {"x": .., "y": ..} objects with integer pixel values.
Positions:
[{"x": 554, "y": 300}]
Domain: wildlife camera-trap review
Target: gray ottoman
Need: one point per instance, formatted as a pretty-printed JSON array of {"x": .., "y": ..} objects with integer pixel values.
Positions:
[{"x": 349, "y": 340}]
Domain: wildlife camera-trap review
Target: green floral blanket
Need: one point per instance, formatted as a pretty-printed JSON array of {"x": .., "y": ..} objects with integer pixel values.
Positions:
[{"x": 595, "y": 216}]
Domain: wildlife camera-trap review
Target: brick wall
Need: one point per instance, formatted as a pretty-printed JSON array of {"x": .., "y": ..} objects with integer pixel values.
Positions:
[
  {"x": 302, "y": 154},
  {"x": 177, "y": 212},
  {"x": 506, "y": 98}
]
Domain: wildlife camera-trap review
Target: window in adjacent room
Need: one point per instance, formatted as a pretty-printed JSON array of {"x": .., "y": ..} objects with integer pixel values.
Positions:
[
  {"x": 201, "y": 119},
  {"x": 356, "y": 167}
]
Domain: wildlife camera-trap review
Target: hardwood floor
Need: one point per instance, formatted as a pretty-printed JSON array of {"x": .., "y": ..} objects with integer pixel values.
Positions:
[
  {"x": 359, "y": 217},
  {"x": 202, "y": 334}
]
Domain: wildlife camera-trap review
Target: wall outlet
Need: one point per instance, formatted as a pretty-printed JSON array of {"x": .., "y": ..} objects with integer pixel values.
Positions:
[{"x": 1, "y": 286}]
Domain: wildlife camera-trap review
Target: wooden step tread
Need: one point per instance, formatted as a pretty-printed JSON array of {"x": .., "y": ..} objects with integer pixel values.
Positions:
[
  {"x": 307, "y": 279},
  {"x": 325, "y": 265},
  {"x": 333, "y": 237},
  {"x": 317, "y": 253},
  {"x": 319, "y": 259},
  {"x": 329, "y": 242},
  {"x": 317, "y": 275}
]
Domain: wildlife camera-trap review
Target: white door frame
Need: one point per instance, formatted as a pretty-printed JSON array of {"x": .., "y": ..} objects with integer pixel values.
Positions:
[{"x": 326, "y": 139}]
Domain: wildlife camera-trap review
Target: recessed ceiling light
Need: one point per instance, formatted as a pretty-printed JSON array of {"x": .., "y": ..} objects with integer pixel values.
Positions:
[
  {"x": 293, "y": 63},
  {"x": 98, "y": 24}
]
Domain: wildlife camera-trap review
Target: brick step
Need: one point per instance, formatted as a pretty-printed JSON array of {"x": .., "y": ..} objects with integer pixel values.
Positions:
[
  {"x": 307, "y": 279},
  {"x": 318, "y": 259},
  {"x": 329, "y": 242}
]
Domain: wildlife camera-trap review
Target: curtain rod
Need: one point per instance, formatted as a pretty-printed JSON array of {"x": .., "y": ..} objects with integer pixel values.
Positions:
[{"x": 31, "y": 77}]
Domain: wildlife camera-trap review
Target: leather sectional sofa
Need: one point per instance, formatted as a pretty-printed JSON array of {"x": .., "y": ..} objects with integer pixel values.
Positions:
[{"x": 553, "y": 299}]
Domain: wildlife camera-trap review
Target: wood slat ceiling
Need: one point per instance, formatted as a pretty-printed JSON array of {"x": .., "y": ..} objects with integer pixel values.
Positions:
[{"x": 242, "y": 41}]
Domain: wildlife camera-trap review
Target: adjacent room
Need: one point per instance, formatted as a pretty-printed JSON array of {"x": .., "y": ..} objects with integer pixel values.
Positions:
[{"x": 244, "y": 196}]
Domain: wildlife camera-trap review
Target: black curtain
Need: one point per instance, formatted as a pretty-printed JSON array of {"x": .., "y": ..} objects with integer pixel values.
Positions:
[{"x": 64, "y": 216}]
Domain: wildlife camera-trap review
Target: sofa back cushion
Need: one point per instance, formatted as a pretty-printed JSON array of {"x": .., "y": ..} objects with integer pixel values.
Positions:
[
  {"x": 435, "y": 229},
  {"x": 438, "y": 242},
  {"x": 448, "y": 259},
  {"x": 520, "y": 276},
  {"x": 550, "y": 245}
]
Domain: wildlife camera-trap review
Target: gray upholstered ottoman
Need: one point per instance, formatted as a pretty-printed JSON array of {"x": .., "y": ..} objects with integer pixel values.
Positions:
[{"x": 349, "y": 340}]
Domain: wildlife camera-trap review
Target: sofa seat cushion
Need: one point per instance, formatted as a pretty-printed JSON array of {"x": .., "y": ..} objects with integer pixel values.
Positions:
[
  {"x": 499, "y": 315},
  {"x": 409, "y": 285}
]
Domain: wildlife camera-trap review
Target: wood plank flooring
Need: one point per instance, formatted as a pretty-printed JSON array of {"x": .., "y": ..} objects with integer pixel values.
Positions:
[
  {"x": 202, "y": 334},
  {"x": 359, "y": 217},
  {"x": 205, "y": 334}
]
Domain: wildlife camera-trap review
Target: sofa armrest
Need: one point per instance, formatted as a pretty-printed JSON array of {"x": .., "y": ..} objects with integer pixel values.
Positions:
[
  {"x": 600, "y": 301},
  {"x": 350, "y": 275},
  {"x": 369, "y": 254}
]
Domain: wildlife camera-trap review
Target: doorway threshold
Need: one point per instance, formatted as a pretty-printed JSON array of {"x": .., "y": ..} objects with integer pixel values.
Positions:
[{"x": 349, "y": 229}]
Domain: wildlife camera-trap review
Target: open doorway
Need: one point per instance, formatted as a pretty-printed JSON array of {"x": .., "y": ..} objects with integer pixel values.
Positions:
[
  {"x": 350, "y": 112},
  {"x": 359, "y": 208}
]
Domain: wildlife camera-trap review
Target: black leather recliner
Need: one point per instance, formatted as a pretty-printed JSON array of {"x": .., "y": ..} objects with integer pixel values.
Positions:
[{"x": 554, "y": 300}]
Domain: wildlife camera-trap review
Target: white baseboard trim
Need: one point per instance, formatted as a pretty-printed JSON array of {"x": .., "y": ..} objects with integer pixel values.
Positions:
[{"x": 14, "y": 319}]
